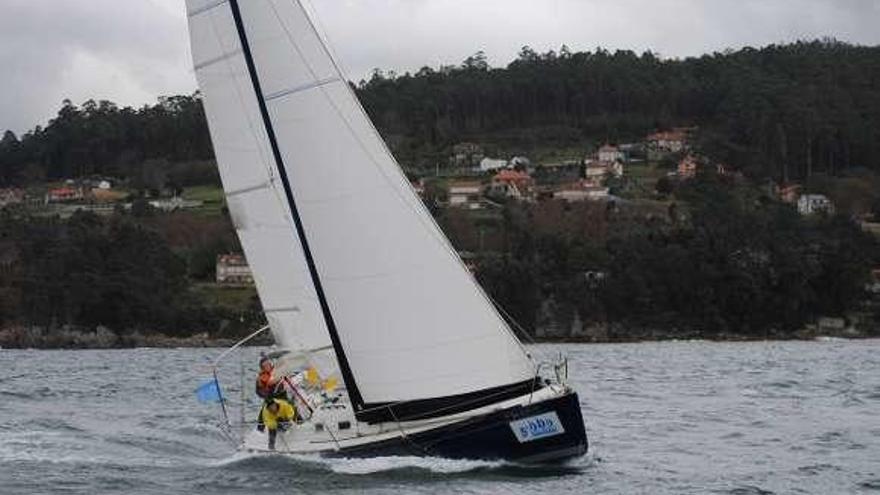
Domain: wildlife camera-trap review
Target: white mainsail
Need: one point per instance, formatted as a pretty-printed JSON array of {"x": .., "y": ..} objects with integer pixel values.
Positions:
[{"x": 300, "y": 159}]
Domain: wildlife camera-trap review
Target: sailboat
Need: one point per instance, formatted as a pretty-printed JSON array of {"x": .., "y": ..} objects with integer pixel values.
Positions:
[{"x": 382, "y": 333}]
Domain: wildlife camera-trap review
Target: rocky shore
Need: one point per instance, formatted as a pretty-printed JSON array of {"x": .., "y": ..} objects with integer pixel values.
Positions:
[{"x": 69, "y": 337}]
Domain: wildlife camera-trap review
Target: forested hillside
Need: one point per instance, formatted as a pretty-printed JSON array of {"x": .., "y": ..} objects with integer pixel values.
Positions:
[
  {"x": 715, "y": 253},
  {"x": 782, "y": 111},
  {"x": 101, "y": 138}
]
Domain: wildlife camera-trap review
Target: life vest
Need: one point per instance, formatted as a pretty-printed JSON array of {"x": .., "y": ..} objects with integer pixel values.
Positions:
[{"x": 265, "y": 384}]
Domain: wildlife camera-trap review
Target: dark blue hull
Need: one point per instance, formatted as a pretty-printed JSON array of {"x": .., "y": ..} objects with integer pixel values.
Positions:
[{"x": 492, "y": 437}]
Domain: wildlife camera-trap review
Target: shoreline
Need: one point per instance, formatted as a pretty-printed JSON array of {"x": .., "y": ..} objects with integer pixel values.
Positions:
[
  {"x": 103, "y": 338},
  {"x": 21, "y": 338}
]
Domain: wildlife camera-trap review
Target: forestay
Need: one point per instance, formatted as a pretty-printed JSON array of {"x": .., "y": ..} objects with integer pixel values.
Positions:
[{"x": 409, "y": 321}]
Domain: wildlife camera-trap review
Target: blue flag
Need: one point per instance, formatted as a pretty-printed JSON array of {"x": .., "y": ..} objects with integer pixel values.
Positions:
[{"x": 209, "y": 392}]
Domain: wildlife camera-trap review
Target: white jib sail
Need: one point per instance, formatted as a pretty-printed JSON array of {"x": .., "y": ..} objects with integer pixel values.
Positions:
[{"x": 411, "y": 320}]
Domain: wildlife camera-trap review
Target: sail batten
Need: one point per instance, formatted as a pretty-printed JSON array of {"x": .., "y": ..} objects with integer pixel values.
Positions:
[
  {"x": 304, "y": 87},
  {"x": 365, "y": 262},
  {"x": 204, "y": 7},
  {"x": 345, "y": 369}
]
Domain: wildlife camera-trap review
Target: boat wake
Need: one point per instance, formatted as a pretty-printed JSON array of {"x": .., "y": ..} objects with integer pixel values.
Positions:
[
  {"x": 438, "y": 465},
  {"x": 396, "y": 465}
]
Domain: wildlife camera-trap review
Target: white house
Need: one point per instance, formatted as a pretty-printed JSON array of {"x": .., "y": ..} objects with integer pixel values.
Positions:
[
  {"x": 233, "y": 269},
  {"x": 599, "y": 169},
  {"x": 465, "y": 194},
  {"x": 809, "y": 204},
  {"x": 520, "y": 161},
  {"x": 874, "y": 285},
  {"x": 671, "y": 141},
  {"x": 487, "y": 164},
  {"x": 11, "y": 196},
  {"x": 582, "y": 190},
  {"x": 175, "y": 203},
  {"x": 609, "y": 153}
]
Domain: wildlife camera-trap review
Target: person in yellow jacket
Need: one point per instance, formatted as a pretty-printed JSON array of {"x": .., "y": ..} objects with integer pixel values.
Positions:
[{"x": 276, "y": 415}]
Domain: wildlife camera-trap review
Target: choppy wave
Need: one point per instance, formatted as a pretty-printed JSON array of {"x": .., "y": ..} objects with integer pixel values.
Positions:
[{"x": 685, "y": 417}]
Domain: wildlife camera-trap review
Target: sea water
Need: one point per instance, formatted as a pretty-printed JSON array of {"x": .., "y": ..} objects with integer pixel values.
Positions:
[{"x": 676, "y": 417}]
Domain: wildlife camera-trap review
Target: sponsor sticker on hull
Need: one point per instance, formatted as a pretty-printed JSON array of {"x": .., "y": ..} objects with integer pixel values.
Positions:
[{"x": 535, "y": 427}]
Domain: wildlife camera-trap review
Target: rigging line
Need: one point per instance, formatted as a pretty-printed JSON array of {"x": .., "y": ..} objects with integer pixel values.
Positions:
[
  {"x": 418, "y": 205},
  {"x": 322, "y": 33},
  {"x": 515, "y": 324},
  {"x": 513, "y": 320},
  {"x": 404, "y": 434}
]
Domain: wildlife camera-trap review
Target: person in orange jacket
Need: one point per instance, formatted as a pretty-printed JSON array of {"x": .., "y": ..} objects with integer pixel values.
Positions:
[{"x": 267, "y": 383}]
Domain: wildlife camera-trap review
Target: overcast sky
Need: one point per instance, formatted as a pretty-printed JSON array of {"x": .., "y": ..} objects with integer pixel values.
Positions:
[{"x": 131, "y": 51}]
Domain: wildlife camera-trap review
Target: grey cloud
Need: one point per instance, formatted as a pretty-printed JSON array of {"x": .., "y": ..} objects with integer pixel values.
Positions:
[
  {"x": 127, "y": 51},
  {"x": 131, "y": 51}
]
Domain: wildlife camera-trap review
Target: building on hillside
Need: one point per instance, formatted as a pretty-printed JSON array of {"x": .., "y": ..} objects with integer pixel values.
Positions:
[
  {"x": 466, "y": 154},
  {"x": 520, "y": 163},
  {"x": 630, "y": 149},
  {"x": 175, "y": 203},
  {"x": 789, "y": 193},
  {"x": 419, "y": 187},
  {"x": 470, "y": 260},
  {"x": 514, "y": 184},
  {"x": 465, "y": 194},
  {"x": 873, "y": 285},
  {"x": 600, "y": 169},
  {"x": 64, "y": 194},
  {"x": 9, "y": 259},
  {"x": 687, "y": 167},
  {"x": 871, "y": 227},
  {"x": 810, "y": 204},
  {"x": 11, "y": 196},
  {"x": 609, "y": 153},
  {"x": 233, "y": 269},
  {"x": 662, "y": 143},
  {"x": 582, "y": 190},
  {"x": 100, "y": 195},
  {"x": 489, "y": 164}
]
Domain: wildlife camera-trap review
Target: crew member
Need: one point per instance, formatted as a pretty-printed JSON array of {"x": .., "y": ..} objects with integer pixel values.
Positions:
[
  {"x": 267, "y": 383},
  {"x": 277, "y": 414}
]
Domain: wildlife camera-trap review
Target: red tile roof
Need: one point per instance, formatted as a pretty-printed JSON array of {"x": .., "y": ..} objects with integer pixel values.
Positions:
[{"x": 512, "y": 175}]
